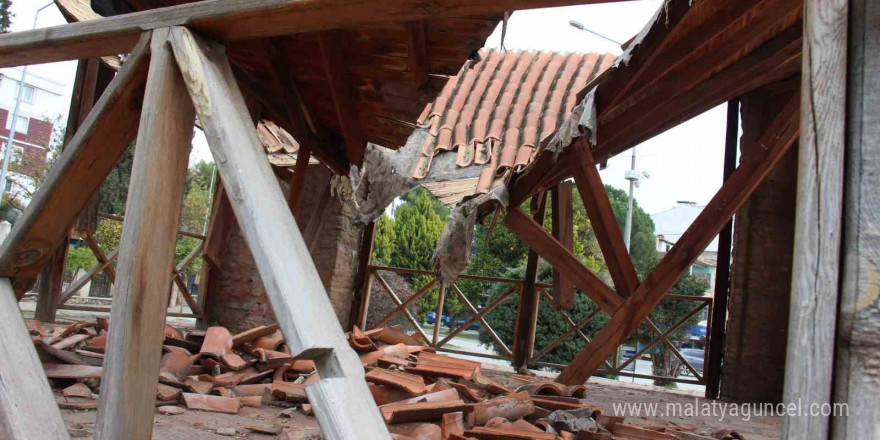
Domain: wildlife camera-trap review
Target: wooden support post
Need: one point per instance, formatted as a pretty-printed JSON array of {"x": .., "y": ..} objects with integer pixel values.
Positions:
[
  {"x": 131, "y": 368},
  {"x": 27, "y": 406},
  {"x": 809, "y": 365},
  {"x": 722, "y": 272},
  {"x": 363, "y": 280},
  {"x": 78, "y": 173},
  {"x": 529, "y": 298},
  {"x": 563, "y": 231},
  {"x": 342, "y": 402},
  {"x": 298, "y": 181},
  {"x": 777, "y": 139},
  {"x": 438, "y": 317},
  {"x": 602, "y": 220},
  {"x": 51, "y": 285},
  {"x": 857, "y": 358}
]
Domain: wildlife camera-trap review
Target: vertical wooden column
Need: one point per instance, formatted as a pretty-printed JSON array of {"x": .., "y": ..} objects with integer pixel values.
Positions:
[
  {"x": 438, "y": 317},
  {"x": 563, "y": 288},
  {"x": 27, "y": 406},
  {"x": 341, "y": 400},
  {"x": 51, "y": 285},
  {"x": 128, "y": 389},
  {"x": 722, "y": 272},
  {"x": 529, "y": 299},
  {"x": 809, "y": 369},
  {"x": 363, "y": 279},
  {"x": 857, "y": 361}
]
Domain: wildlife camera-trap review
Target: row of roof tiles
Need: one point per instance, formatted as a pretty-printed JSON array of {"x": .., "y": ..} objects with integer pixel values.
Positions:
[{"x": 496, "y": 112}]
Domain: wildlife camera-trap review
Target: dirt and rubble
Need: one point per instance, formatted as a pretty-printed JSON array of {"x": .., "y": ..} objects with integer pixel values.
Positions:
[{"x": 214, "y": 384}]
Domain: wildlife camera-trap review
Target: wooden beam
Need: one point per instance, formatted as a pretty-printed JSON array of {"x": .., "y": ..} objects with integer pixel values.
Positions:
[
  {"x": 131, "y": 367},
  {"x": 563, "y": 232},
  {"x": 857, "y": 350},
  {"x": 815, "y": 285},
  {"x": 298, "y": 181},
  {"x": 531, "y": 233},
  {"x": 80, "y": 282},
  {"x": 602, "y": 220},
  {"x": 339, "y": 78},
  {"x": 529, "y": 300},
  {"x": 102, "y": 259},
  {"x": 79, "y": 171},
  {"x": 363, "y": 279},
  {"x": 718, "y": 321},
  {"x": 778, "y": 138},
  {"x": 341, "y": 399},
  {"x": 222, "y": 219},
  {"x": 417, "y": 53},
  {"x": 51, "y": 285},
  {"x": 225, "y": 20},
  {"x": 27, "y": 405}
]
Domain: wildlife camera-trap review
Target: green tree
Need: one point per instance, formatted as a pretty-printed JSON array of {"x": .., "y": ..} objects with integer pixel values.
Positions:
[
  {"x": 643, "y": 245},
  {"x": 385, "y": 239},
  {"x": 5, "y": 16}
]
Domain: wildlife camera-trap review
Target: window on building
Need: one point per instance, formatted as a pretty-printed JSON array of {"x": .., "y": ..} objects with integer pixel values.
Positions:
[
  {"x": 28, "y": 94},
  {"x": 21, "y": 124}
]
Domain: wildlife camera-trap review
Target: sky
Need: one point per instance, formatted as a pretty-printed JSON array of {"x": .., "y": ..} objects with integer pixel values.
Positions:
[{"x": 684, "y": 163}]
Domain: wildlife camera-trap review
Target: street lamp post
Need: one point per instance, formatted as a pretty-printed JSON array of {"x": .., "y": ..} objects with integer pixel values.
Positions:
[{"x": 7, "y": 152}]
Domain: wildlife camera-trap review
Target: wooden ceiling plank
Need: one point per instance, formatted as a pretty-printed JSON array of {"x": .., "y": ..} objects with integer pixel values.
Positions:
[
  {"x": 339, "y": 77},
  {"x": 417, "y": 60},
  {"x": 229, "y": 21}
]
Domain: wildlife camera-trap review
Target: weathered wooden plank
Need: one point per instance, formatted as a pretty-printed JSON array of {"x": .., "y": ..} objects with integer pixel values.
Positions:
[
  {"x": 158, "y": 176},
  {"x": 228, "y": 20},
  {"x": 339, "y": 78},
  {"x": 417, "y": 53},
  {"x": 292, "y": 283},
  {"x": 51, "y": 284},
  {"x": 531, "y": 233},
  {"x": 778, "y": 138},
  {"x": 363, "y": 280},
  {"x": 563, "y": 231},
  {"x": 858, "y": 328},
  {"x": 809, "y": 369},
  {"x": 298, "y": 181},
  {"x": 79, "y": 171},
  {"x": 27, "y": 406},
  {"x": 529, "y": 300},
  {"x": 718, "y": 320},
  {"x": 602, "y": 219}
]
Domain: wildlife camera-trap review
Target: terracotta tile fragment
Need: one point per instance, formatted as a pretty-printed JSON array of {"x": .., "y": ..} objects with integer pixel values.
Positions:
[
  {"x": 418, "y": 431},
  {"x": 170, "y": 410},
  {"x": 205, "y": 402},
  {"x": 62, "y": 371},
  {"x": 166, "y": 393},
  {"x": 175, "y": 366},
  {"x": 78, "y": 390},
  {"x": 251, "y": 401},
  {"x": 483, "y": 433},
  {"x": 289, "y": 391},
  {"x": 198, "y": 386},
  {"x": 70, "y": 341},
  {"x": 265, "y": 428},
  {"x": 253, "y": 334},
  {"x": 512, "y": 407},
  {"x": 251, "y": 390},
  {"x": 453, "y": 424},
  {"x": 218, "y": 341},
  {"x": 419, "y": 412},
  {"x": 412, "y": 384}
]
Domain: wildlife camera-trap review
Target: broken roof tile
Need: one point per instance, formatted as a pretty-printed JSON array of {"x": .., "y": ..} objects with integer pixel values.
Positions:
[{"x": 204, "y": 402}]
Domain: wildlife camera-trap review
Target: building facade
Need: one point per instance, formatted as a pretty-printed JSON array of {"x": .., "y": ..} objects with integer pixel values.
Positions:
[{"x": 33, "y": 126}]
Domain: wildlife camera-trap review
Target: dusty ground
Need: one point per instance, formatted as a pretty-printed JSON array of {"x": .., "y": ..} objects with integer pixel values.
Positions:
[{"x": 603, "y": 392}]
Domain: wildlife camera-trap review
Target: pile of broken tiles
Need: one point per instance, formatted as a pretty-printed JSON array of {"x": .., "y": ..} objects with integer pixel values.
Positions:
[{"x": 422, "y": 395}]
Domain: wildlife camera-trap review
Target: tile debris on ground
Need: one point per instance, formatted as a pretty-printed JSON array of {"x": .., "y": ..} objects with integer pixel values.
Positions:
[{"x": 422, "y": 395}]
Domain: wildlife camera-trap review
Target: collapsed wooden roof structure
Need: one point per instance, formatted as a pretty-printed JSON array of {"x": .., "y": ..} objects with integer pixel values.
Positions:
[{"x": 226, "y": 62}]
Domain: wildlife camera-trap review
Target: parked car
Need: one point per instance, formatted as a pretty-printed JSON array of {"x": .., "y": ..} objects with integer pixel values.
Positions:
[
  {"x": 460, "y": 322},
  {"x": 695, "y": 357},
  {"x": 445, "y": 320}
]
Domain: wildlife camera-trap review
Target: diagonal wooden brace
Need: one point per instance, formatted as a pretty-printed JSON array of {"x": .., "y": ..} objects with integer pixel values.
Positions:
[{"x": 777, "y": 139}]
